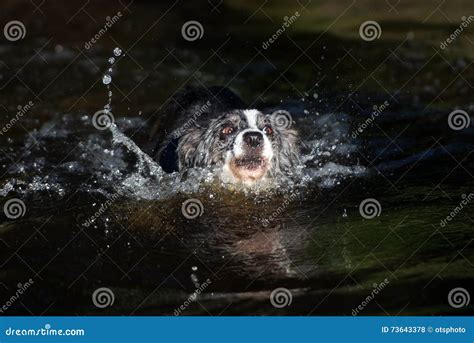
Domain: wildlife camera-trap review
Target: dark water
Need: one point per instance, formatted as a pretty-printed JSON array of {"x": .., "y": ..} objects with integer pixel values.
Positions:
[{"x": 308, "y": 236}]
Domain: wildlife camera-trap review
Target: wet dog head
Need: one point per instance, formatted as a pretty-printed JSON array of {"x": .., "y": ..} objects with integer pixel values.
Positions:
[{"x": 248, "y": 145}]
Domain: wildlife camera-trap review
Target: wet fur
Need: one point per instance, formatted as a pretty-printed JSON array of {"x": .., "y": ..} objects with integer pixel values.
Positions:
[{"x": 201, "y": 143}]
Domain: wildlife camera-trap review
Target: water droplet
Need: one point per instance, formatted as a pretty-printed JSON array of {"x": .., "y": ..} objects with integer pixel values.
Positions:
[
  {"x": 117, "y": 52},
  {"x": 315, "y": 95},
  {"x": 194, "y": 268},
  {"x": 106, "y": 79},
  {"x": 344, "y": 215},
  {"x": 111, "y": 60},
  {"x": 58, "y": 49}
]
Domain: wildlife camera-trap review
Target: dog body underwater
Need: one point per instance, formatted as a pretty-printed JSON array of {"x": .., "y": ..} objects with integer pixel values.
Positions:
[{"x": 212, "y": 127}]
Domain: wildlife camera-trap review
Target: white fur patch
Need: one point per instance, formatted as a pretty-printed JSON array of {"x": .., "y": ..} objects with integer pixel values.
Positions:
[{"x": 251, "y": 116}]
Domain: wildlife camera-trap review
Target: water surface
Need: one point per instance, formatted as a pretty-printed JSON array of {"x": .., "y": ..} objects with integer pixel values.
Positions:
[{"x": 99, "y": 213}]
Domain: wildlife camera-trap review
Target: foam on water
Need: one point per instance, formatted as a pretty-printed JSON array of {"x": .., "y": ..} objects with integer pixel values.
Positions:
[
  {"x": 102, "y": 161},
  {"x": 104, "y": 158}
]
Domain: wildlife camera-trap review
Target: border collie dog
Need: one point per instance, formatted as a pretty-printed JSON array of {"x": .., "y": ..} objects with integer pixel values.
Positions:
[{"x": 212, "y": 127}]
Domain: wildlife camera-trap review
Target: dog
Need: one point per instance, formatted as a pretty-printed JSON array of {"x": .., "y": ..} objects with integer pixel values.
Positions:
[{"x": 212, "y": 127}]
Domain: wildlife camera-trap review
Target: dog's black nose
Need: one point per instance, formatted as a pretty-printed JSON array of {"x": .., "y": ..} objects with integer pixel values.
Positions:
[{"x": 254, "y": 139}]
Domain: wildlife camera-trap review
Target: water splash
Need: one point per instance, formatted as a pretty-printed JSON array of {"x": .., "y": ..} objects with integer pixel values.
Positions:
[{"x": 145, "y": 165}]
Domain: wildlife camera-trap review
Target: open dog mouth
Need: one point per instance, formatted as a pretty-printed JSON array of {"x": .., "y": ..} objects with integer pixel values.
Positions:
[
  {"x": 250, "y": 163},
  {"x": 249, "y": 168}
]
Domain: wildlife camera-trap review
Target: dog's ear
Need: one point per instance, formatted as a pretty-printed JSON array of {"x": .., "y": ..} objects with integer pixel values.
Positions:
[
  {"x": 187, "y": 148},
  {"x": 290, "y": 150},
  {"x": 287, "y": 150}
]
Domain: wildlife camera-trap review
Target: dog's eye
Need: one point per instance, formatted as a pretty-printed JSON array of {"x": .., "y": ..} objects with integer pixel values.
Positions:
[
  {"x": 268, "y": 130},
  {"x": 227, "y": 130}
]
